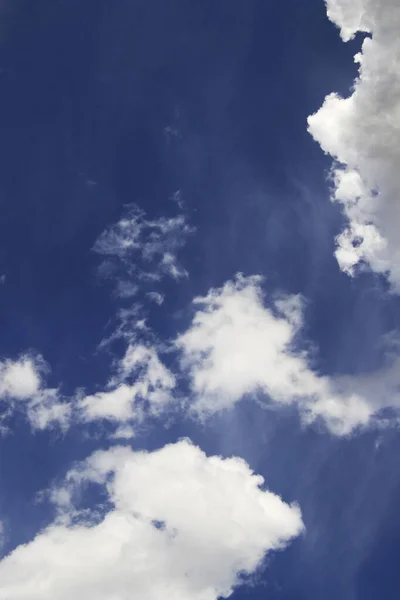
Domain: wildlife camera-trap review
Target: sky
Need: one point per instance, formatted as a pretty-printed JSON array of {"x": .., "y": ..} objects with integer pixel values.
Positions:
[{"x": 199, "y": 299}]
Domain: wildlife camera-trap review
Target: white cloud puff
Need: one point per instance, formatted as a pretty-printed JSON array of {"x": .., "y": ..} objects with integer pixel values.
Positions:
[
  {"x": 361, "y": 133},
  {"x": 20, "y": 379},
  {"x": 142, "y": 386},
  {"x": 181, "y": 525},
  {"x": 236, "y": 346},
  {"x": 22, "y": 388}
]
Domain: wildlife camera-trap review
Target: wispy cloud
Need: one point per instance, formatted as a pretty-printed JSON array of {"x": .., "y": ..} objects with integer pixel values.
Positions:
[
  {"x": 142, "y": 250},
  {"x": 140, "y": 253}
]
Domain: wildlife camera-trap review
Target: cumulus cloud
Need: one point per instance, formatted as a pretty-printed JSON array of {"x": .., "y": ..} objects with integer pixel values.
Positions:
[
  {"x": 22, "y": 388},
  {"x": 179, "y": 524},
  {"x": 361, "y": 133},
  {"x": 237, "y": 346}
]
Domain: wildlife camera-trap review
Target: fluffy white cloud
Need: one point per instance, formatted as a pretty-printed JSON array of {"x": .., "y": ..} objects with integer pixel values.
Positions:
[
  {"x": 361, "y": 133},
  {"x": 142, "y": 386},
  {"x": 181, "y": 525},
  {"x": 236, "y": 346},
  {"x": 20, "y": 379},
  {"x": 22, "y": 388}
]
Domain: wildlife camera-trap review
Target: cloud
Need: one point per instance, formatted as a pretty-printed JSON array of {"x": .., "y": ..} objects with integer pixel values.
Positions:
[
  {"x": 142, "y": 386},
  {"x": 156, "y": 297},
  {"x": 22, "y": 388},
  {"x": 139, "y": 253},
  {"x": 125, "y": 432},
  {"x": 361, "y": 133},
  {"x": 142, "y": 249},
  {"x": 179, "y": 524},
  {"x": 20, "y": 379},
  {"x": 350, "y": 16},
  {"x": 237, "y": 347}
]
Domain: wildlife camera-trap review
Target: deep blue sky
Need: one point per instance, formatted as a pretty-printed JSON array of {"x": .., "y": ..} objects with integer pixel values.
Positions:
[{"x": 103, "y": 104}]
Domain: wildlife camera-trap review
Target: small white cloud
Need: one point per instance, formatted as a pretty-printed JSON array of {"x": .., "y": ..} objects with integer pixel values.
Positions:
[
  {"x": 142, "y": 386},
  {"x": 181, "y": 525},
  {"x": 22, "y": 388},
  {"x": 177, "y": 198},
  {"x": 125, "y": 432},
  {"x": 126, "y": 289},
  {"x": 45, "y": 410},
  {"x": 20, "y": 379},
  {"x": 361, "y": 134},
  {"x": 116, "y": 404},
  {"x": 156, "y": 297}
]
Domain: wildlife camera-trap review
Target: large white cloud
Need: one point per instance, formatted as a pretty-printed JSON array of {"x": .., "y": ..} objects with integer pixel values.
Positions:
[
  {"x": 237, "y": 346},
  {"x": 362, "y": 134},
  {"x": 181, "y": 525},
  {"x": 22, "y": 388}
]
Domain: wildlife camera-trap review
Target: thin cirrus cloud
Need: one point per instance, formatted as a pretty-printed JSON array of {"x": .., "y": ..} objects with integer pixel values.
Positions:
[
  {"x": 361, "y": 132},
  {"x": 143, "y": 250},
  {"x": 179, "y": 524}
]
